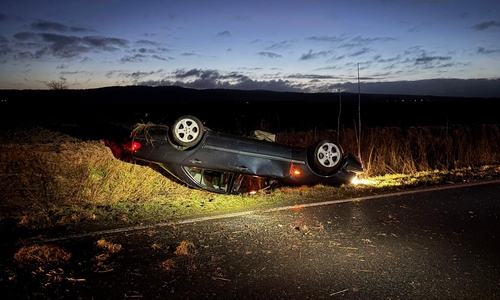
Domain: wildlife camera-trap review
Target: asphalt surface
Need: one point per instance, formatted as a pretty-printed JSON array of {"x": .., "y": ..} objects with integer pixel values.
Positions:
[{"x": 434, "y": 244}]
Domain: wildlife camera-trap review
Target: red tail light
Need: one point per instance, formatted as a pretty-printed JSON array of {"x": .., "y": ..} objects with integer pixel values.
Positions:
[{"x": 132, "y": 146}]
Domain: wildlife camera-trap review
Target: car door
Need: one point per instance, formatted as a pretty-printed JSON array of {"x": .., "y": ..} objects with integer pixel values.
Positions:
[
  {"x": 217, "y": 152},
  {"x": 264, "y": 158}
]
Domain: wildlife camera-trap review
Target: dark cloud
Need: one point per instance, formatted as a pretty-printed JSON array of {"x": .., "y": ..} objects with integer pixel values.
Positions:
[
  {"x": 379, "y": 59},
  {"x": 48, "y": 25},
  {"x": 360, "y": 52},
  {"x": 134, "y": 58},
  {"x": 215, "y": 82},
  {"x": 280, "y": 45},
  {"x": 224, "y": 34},
  {"x": 139, "y": 75},
  {"x": 482, "y": 50},
  {"x": 105, "y": 43},
  {"x": 363, "y": 40},
  {"x": 329, "y": 39},
  {"x": 190, "y": 54},
  {"x": 66, "y": 46},
  {"x": 146, "y": 43},
  {"x": 269, "y": 54},
  {"x": 42, "y": 25},
  {"x": 79, "y": 30},
  {"x": 2, "y": 17},
  {"x": 336, "y": 58},
  {"x": 211, "y": 79},
  {"x": 158, "y": 57},
  {"x": 424, "y": 59},
  {"x": 151, "y": 48},
  {"x": 360, "y": 41},
  {"x": 486, "y": 25},
  {"x": 26, "y": 36},
  {"x": 204, "y": 74},
  {"x": 314, "y": 55}
]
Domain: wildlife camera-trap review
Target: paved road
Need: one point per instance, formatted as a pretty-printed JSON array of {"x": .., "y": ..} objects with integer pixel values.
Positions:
[{"x": 438, "y": 244}]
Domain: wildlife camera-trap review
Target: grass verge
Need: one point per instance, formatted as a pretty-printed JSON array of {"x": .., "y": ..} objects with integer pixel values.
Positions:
[{"x": 70, "y": 184}]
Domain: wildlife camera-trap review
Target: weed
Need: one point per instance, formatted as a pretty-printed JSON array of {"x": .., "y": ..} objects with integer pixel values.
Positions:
[
  {"x": 108, "y": 246},
  {"x": 184, "y": 248},
  {"x": 43, "y": 254}
]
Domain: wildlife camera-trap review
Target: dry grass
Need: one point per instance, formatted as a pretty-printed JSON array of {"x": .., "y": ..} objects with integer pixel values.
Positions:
[
  {"x": 108, "y": 246},
  {"x": 66, "y": 182},
  {"x": 411, "y": 150},
  {"x": 42, "y": 254},
  {"x": 184, "y": 248}
]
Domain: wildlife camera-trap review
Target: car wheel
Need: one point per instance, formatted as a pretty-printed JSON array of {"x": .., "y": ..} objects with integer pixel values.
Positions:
[
  {"x": 327, "y": 156},
  {"x": 187, "y": 131}
]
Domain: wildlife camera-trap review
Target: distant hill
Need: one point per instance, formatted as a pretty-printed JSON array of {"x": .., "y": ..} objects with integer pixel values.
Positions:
[{"x": 287, "y": 109}]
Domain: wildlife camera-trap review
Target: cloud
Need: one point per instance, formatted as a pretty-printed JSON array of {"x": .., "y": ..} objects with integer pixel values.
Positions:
[
  {"x": 360, "y": 52},
  {"x": 79, "y": 29},
  {"x": 424, "y": 59},
  {"x": 158, "y": 57},
  {"x": 180, "y": 73},
  {"x": 224, "y": 34},
  {"x": 329, "y": 39},
  {"x": 360, "y": 41},
  {"x": 146, "y": 43},
  {"x": 139, "y": 75},
  {"x": 482, "y": 50},
  {"x": 314, "y": 55},
  {"x": 48, "y": 25},
  {"x": 363, "y": 40},
  {"x": 213, "y": 79},
  {"x": 280, "y": 45},
  {"x": 62, "y": 66},
  {"x": 2, "y": 17},
  {"x": 486, "y": 25},
  {"x": 190, "y": 54},
  {"x": 269, "y": 54},
  {"x": 105, "y": 43},
  {"x": 65, "y": 46},
  {"x": 134, "y": 58},
  {"x": 25, "y": 36}
]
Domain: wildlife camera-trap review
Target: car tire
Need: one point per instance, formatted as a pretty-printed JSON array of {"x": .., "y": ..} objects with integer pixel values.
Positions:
[
  {"x": 327, "y": 156},
  {"x": 187, "y": 131}
]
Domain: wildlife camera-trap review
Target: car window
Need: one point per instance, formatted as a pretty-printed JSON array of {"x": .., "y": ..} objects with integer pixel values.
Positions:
[
  {"x": 252, "y": 184},
  {"x": 210, "y": 179}
]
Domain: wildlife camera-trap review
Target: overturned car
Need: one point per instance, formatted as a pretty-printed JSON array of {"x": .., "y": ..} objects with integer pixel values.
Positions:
[{"x": 222, "y": 163}]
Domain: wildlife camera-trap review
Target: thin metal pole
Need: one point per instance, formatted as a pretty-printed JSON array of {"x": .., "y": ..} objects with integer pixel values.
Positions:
[
  {"x": 359, "y": 116},
  {"x": 340, "y": 111}
]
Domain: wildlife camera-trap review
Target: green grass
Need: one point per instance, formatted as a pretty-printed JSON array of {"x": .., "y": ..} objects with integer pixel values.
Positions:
[{"x": 50, "y": 180}]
